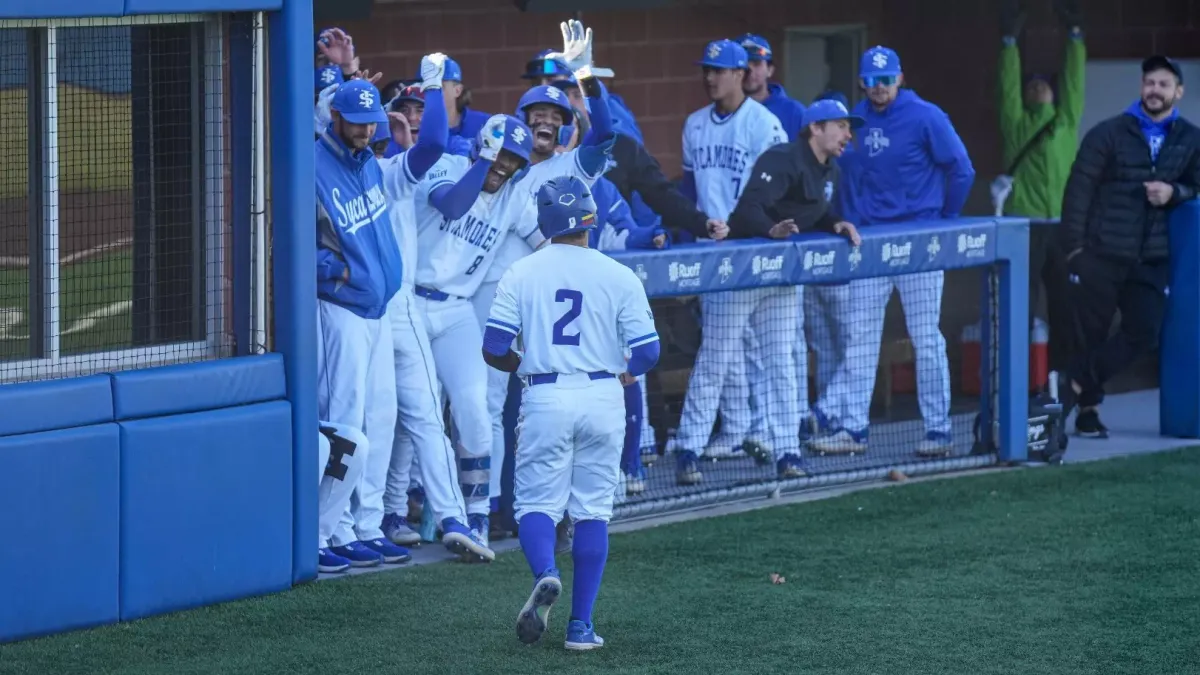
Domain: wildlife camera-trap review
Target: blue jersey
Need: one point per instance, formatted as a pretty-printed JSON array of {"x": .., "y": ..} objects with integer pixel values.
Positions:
[
  {"x": 907, "y": 163},
  {"x": 358, "y": 259},
  {"x": 789, "y": 111}
]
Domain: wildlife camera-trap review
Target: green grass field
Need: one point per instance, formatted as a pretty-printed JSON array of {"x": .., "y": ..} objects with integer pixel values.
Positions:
[
  {"x": 1084, "y": 569},
  {"x": 92, "y": 316}
]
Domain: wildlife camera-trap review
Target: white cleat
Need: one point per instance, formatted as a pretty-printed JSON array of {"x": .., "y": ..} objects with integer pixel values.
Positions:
[{"x": 840, "y": 443}]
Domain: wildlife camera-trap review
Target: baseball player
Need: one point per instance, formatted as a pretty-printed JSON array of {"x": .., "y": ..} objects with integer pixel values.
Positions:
[
  {"x": 546, "y": 111},
  {"x": 721, "y": 141},
  {"x": 340, "y": 454},
  {"x": 419, "y": 428},
  {"x": 791, "y": 190},
  {"x": 358, "y": 272},
  {"x": 577, "y": 312},
  {"x": 460, "y": 213},
  {"x": 909, "y": 165},
  {"x": 464, "y": 121},
  {"x": 758, "y": 85}
]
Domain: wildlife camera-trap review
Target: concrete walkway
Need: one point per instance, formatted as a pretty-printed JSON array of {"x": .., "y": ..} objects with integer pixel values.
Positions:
[{"x": 1132, "y": 419}]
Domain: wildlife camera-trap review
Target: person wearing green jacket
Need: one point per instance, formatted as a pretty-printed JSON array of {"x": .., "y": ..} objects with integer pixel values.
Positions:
[{"x": 1040, "y": 132}]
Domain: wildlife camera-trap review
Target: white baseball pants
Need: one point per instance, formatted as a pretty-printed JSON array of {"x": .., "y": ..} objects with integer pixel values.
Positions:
[
  {"x": 569, "y": 440},
  {"x": 456, "y": 341},
  {"x": 848, "y": 396},
  {"x": 773, "y": 314},
  {"x": 337, "y": 480},
  {"x": 356, "y": 388},
  {"x": 497, "y": 386},
  {"x": 419, "y": 428},
  {"x": 824, "y": 310}
]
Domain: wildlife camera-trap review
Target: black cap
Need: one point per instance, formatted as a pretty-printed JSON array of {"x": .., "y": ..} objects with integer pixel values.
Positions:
[{"x": 1160, "y": 62}]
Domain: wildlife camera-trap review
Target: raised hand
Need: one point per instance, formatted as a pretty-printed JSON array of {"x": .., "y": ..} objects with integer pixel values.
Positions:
[
  {"x": 493, "y": 138},
  {"x": 337, "y": 46},
  {"x": 433, "y": 68},
  {"x": 576, "y": 54}
]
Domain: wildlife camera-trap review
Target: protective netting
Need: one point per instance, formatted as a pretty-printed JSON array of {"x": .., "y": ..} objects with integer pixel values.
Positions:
[
  {"x": 112, "y": 204},
  {"x": 761, "y": 385}
]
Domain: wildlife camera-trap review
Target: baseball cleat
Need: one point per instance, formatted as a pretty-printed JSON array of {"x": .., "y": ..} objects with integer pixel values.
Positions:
[
  {"x": 397, "y": 529},
  {"x": 331, "y": 563},
  {"x": 531, "y": 622},
  {"x": 649, "y": 455},
  {"x": 721, "y": 446},
  {"x": 635, "y": 482},
  {"x": 760, "y": 451},
  {"x": 581, "y": 637},
  {"x": 818, "y": 424},
  {"x": 935, "y": 444},
  {"x": 461, "y": 541},
  {"x": 480, "y": 529},
  {"x": 844, "y": 442},
  {"x": 790, "y": 466},
  {"x": 358, "y": 554},
  {"x": 391, "y": 553},
  {"x": 687, "y": 468},
  {"x": 1088, "y": 424}
]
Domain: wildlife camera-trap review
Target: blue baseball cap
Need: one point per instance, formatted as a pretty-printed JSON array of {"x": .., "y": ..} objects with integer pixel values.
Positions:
[
  {"x": 540, "y": 66},
  {"x": 832, "y": 95},
  {"x": 879, "y": 61},
  {"x": 357, "y": 101},
  {"x": 828, "y": 110},
  {"x": 383, "y": 132},
  {"x": 451, "y": 73},
  {"x": 756, "y": 46},
  {"x": 328, "y": 76},
  {"x": 724, "y": 54}
]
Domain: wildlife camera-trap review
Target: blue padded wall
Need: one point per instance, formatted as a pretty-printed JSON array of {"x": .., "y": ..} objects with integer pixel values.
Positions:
[
  {"x": 59, "y": 507},
  {"x": 1179, "y": 357},
  {"x": 206, "y": 508},
  {"x": 29, "y": 407},
  {"x": 192, "y": 387}
]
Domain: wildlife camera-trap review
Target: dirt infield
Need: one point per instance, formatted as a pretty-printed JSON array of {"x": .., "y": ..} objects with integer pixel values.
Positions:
[{"x": 87, "y": 220}]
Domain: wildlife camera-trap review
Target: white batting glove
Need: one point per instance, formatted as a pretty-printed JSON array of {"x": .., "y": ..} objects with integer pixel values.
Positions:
[
  {"x": 493, "y": 138},
  {"x": 577, "y": 51},
  {"x": 323, "y": 114},
  {"x": 433, "y": 67}
]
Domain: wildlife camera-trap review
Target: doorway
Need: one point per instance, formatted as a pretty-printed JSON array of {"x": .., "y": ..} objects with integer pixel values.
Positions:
[{"x": 819, "y": 58}]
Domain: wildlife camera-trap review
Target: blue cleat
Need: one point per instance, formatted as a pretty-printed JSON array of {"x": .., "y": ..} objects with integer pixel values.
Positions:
[
  {"x": 581, "y": 637},
  {"x": 687, "y": 468},
  {"x": 358, "y": 554},
  {"x": 331, "y": 563},
  {"x": 531, "y": 622},
  {"x": 480, "y": 527},
  {"x": 398, "y": 530},
  {"x": 791, "y": 466},
  {"x": 462, "y": 542},
  {"x": 817, "y": 425},
  {"x": 391, "y": 553}
]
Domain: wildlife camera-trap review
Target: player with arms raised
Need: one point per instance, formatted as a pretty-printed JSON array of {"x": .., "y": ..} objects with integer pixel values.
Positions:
[
  {"x": 578, "y": 312},
  {"x": 721, "y": 142}
]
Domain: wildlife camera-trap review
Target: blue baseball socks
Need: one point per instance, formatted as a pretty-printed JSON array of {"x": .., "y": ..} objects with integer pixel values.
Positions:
[
  {"x": 590, "y": 552},
  {"x": 536, "y": 533}
]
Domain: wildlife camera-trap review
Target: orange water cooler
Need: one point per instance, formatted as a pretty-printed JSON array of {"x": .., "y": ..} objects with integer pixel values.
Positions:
[{"x": 972, "y": 358}]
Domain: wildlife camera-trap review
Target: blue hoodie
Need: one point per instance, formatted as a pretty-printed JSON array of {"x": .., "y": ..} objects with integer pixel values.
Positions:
[
  {"x": 354, "y": 232},
  {"x": 1155, "y": 132},
  {"x": 789, "y": 111},
  {"x": 623, "y": 120},
  {"x": 906, "y": 163},
  {"x": 612, "y": 209}
]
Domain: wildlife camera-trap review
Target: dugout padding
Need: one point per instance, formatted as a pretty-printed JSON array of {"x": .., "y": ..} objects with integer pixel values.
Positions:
[
  {"x": 59, "y": 496},
  {"x": 1179, "y": 361},
  {"x": 141, "y": 492}
]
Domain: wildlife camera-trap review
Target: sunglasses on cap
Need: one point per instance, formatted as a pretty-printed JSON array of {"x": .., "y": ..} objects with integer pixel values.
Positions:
[
  {"x": 882, "y": 80},
  {"x": 756, "y": 51}
]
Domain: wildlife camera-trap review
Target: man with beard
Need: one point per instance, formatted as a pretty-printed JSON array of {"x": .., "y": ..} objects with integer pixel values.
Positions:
[
  {"x": 909, "y": 165},
  {"x": 1130, "y": 171}
]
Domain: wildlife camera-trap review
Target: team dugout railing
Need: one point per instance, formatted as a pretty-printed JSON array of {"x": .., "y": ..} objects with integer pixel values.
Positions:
[{"x": 997, "y": 246}]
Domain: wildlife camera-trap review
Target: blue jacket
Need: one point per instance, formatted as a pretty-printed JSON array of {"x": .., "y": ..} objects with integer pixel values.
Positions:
[
  {"x": 354, "y": 232},
  {"x": 789, "y": 111},
  {"x": 470, "y": 124},
  {"x": 907, "y": 163},
  {"x": 623, "y": 120},
  {"x": 612, "y": 209}
]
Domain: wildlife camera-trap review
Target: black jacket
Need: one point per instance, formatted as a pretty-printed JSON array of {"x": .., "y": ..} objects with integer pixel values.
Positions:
[
  {"x": 786, "y": 182},
  {"x": 1105, "y": 210},
  {"x": 636, "y": 171}
]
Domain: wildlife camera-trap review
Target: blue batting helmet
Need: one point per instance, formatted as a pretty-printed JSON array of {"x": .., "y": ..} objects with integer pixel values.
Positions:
[
  {"x": 544, "y": 94},
  {"x": 518, "y": 139},
  {"x": 565, "y": 206}
]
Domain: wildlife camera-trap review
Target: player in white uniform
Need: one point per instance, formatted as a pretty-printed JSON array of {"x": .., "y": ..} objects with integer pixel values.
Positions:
[
  {"x": 546, "y": 110},
  {"x": 341, "y": 451},
  {"x": 721, "y": 142},
  {"x": 419, "y": 428},
  {"x": 577, "y": 312},
  {"x": 462, "y": 218}
]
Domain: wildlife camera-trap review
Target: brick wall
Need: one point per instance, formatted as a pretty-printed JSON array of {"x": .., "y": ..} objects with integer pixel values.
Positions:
[{"x": 949, "y": 49}]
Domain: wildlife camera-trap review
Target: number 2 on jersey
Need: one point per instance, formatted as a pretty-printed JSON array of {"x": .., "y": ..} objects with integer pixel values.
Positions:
[{"x": 573, "y": 312}]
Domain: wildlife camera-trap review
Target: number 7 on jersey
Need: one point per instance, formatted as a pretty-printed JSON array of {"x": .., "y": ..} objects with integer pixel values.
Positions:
[{"x": 572, "y": 313}]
